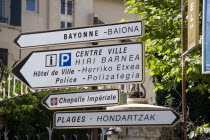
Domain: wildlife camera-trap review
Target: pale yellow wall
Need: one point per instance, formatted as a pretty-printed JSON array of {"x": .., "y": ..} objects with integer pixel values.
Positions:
[
  {"x": 65, "y": 17},
  {"x": 49, "y": 17},
  {"x": 54, "y": 14},
  {"x": 83, "y": 11},
  {"x": 149, "y": 86},
  {"x": 7, "y": 36},
  {"x": 35, "y": 21},
  {"x": 111, "y": 11}
]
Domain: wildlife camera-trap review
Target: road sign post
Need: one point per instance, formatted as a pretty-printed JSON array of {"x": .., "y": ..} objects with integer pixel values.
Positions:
[
  {"x": 206, "y": 38},
  {"x": 82, "y": 99},
  {"x": 118, "y": 118},
  {"x": 81, "y": 34},
  {"x": 98, "y": 65}
]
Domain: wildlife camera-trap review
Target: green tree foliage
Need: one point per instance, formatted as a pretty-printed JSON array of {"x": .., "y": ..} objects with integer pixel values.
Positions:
[
  {"x": 26, "y": 115},
  {"x": 163, "y": 57},
  {"x": 3, "y": 72}
]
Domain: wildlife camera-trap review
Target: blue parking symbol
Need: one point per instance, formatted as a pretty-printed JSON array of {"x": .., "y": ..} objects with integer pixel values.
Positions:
[{"x": 65, "y": 59}]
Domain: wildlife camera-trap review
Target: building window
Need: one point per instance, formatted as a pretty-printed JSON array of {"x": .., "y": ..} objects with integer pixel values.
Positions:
[
  {"x": 62, "y": 6},
  {"x": 66, "y": 8},
  {"x": 63, "y": 24},
  {"x": 31, "y": 5},
  {"x": 69, "y": 24},
  {"x": 15, "y": 12},
  {"x": 100, "y": 22},
  {"x": 3, "y": 11},
  {"x": 69, "y": 7},
  {"x": 3, "y": 56}
]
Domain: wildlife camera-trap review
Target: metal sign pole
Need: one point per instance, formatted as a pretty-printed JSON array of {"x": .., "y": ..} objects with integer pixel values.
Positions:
[
  {"x": 94, "y": 131},
  {"x": 184, "y": 112}
]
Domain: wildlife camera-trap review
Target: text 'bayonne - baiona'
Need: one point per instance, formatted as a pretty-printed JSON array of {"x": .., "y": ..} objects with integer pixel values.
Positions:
[
  {"x": 81, "y": 34},
  {"x": 95, "y": 33}
]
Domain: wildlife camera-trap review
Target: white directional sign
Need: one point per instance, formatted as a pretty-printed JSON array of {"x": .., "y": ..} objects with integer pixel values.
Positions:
[
  {"x": 82, "y": 99},
  {"x": 81, "y": 34},
  {"x": 98, "y": 65},
  {"x": 97, "y": 119}
]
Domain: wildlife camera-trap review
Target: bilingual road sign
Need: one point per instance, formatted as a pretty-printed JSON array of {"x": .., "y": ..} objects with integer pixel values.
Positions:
[
  {"x": 81, "y": 34},
  {"x": 82, "y": 99},
  {"x": 98, "y": 65},
  {"x": 119, "y": 118}
]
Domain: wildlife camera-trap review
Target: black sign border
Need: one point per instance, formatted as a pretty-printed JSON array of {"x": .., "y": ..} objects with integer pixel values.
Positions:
[
  {"x": 84, "y": 92},
  {"x": 79, "y": 42},
  {"x": 177, "y": 120}
]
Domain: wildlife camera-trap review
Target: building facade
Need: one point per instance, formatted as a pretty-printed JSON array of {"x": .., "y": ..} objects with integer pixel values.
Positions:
[{"x": 20, "y": 16}]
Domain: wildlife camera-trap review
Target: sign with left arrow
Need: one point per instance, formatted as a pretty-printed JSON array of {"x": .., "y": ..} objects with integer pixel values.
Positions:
[
  {"x": 81, "y": 34},
  {"x": 98, "y": 65},
  {"x": 82, "y": 99}
]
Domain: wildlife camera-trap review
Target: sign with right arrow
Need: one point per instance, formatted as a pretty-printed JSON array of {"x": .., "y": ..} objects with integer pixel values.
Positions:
[{"x": 120, "y": 118}]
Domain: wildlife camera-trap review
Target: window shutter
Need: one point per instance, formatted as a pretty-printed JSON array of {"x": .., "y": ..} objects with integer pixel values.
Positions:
[
  {"x": 62, "y": 6},
  {"x": 15, "y": 17},
  {"x": 4, "y": 56},
  {"x": 69, "y": 7},
  {"x": 62, "y": 24}
]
